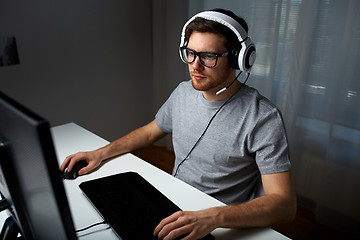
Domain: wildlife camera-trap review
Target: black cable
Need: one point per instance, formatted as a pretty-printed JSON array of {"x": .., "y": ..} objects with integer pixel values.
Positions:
[
  {"x": 91, "y": 226},
  {"x": 246, "y": 79},
  {"x": 208, "y": 125},
  {"x": 222, "y": 90}
]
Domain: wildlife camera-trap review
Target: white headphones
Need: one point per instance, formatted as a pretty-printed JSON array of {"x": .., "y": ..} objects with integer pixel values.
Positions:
[{"x": 242, "y": 57}]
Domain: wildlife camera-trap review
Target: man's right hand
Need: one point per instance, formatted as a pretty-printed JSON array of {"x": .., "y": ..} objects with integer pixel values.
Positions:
[{"x": 92, "y": 158}]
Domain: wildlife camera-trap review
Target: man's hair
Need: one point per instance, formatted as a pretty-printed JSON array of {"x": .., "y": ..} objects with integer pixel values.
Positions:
[{"x": 203, "y": 25}]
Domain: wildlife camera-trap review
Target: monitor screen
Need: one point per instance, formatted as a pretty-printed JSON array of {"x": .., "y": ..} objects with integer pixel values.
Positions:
[{"x": 30, "y": 179}]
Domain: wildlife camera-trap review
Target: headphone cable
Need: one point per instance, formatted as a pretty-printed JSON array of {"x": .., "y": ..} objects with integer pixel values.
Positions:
[{"x": 208, "y": 125}]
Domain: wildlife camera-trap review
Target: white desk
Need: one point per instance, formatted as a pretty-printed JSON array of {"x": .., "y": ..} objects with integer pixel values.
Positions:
[{"x": 71, "y": 138}]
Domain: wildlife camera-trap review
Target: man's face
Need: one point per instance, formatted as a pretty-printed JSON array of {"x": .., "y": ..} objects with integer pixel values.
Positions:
[{"x": 204, "y": 78}]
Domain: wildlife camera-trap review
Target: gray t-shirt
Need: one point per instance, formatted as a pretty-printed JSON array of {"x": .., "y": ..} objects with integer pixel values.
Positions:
[{"x": 245, "y": 139}]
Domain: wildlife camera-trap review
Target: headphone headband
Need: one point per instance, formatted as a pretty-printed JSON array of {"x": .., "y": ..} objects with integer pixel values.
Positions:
[
  {"x": 245, "y": 56},
  {"x": 227, "y": 21}
]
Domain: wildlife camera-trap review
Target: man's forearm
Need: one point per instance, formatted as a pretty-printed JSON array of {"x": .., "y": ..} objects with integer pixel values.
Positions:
[
  {"x": 125, "y": 144},
  {"x": 136, "y": 139},
  {"x": 263, "y": 211}
]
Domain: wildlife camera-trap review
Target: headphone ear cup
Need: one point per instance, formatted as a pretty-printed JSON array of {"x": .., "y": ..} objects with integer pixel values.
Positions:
[
  {"x": 246, "y": 55},
  {"x": 234, "y": 56},
  {"x": 180, "y": 52},
  {"x": 249, "y": 58}
]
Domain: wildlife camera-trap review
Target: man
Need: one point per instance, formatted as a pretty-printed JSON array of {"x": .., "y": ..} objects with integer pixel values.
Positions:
[{"x": 229, "y": 141}]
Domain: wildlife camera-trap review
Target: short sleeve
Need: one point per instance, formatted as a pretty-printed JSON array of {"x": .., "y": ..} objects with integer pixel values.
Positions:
[{"x": 269, "y": 143}]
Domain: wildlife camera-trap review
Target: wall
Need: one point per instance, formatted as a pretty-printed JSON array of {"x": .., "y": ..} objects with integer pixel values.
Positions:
[{"x": 87, "y": 62}]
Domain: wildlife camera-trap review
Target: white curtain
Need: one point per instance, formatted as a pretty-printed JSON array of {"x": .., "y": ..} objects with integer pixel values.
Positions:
[{"x": 307, "y": 63}]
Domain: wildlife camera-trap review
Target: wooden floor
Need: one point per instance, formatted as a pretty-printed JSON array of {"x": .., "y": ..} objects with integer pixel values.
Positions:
[{"x": 303, "y": 227}]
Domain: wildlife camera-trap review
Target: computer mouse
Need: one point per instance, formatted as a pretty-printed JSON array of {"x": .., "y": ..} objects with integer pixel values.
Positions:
[{"x": 74, "y": 173}]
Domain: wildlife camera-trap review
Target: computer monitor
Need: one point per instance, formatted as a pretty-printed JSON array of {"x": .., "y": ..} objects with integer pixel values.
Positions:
[{"x": 30, "y": 178}]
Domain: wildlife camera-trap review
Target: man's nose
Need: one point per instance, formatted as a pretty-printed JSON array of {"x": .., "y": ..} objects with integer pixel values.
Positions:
[{"x": 197, "y": 63}]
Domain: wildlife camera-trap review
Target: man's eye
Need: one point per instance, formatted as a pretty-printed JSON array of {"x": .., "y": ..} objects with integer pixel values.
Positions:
[
  {"x": 209, "y": 56},
  {"x": 190, "y": 54}
]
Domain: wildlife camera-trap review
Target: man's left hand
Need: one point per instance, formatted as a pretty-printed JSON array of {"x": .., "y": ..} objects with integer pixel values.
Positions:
[{"x": 190, "y": 225}]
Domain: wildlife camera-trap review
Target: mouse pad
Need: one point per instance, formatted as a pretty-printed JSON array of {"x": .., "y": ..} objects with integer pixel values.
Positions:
[{"x": 130, "y": 204}]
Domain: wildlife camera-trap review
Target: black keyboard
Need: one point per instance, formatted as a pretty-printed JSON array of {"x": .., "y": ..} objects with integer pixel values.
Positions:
[{"x": 130, "y": 204}]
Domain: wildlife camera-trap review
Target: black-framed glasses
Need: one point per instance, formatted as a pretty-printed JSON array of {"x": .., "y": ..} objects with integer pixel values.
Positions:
[{"x": 207, "y": 59}]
